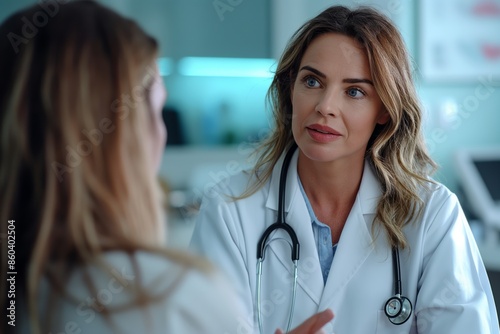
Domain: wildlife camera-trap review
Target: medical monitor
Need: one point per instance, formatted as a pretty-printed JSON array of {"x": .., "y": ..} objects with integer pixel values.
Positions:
[{"x": 479, "y": 174}]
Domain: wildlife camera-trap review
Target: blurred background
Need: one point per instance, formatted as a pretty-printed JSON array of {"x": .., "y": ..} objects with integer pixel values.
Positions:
[{"x": 217, "y": 59}]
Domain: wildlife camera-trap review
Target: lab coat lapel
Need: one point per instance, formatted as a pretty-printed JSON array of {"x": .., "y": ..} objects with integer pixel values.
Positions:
[
  {"x": 297, "y": 216},
  {"x": 355, "y": 244}
]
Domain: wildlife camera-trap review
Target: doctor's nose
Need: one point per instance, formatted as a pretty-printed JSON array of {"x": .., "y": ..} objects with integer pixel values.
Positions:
[{"x": 328, "y": 105}]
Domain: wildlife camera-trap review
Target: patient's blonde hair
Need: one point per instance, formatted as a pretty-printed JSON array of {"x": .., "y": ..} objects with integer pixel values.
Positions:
[{"x": 74, "y": 115}]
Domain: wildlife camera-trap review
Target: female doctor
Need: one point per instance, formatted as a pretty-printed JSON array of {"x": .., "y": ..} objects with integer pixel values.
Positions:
[{"x": 350, "y": 219}]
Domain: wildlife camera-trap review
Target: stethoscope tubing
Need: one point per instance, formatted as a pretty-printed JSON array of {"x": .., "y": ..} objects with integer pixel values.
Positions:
[
  {"x": 295, "y": 254},
  {"x": 293, "y": 295}
]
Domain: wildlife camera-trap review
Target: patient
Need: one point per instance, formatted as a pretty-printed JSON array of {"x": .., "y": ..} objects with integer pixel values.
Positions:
[{"x": 81, "y": 141}]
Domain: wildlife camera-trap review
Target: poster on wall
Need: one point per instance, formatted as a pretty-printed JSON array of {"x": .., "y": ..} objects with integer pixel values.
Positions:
[{"x": 459, "y": 40}]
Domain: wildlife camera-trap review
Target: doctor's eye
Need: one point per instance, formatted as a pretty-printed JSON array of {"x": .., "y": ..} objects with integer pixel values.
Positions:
[
  {"x": 355, "y": 93},
  {"x": 311, "y": 82}
]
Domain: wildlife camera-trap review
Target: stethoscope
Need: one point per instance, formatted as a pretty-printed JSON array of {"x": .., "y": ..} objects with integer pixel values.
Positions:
[{"x": 398, "y": 308}]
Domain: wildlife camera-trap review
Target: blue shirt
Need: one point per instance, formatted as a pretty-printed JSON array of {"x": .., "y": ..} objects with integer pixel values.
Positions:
[{"x": 323, "y": 238}]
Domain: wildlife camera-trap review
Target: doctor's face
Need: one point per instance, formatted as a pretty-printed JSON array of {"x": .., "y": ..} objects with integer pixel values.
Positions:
[{"x": 335, "y": 105}]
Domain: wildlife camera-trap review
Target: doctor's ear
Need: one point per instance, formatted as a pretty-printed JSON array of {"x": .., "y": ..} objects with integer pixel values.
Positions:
[{"x": 384, "y": 117}]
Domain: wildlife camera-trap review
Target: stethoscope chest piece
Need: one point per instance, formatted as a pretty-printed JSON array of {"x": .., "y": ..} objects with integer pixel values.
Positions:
[{"x": 398, "y": 309}]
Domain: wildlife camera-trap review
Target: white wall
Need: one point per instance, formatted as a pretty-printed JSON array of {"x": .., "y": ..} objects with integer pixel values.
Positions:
[{"x": 288, "y": 15}]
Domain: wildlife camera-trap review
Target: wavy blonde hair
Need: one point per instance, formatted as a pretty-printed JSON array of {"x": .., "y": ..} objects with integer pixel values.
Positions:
[
  {"x": 75, "y": 172},
  {"x": 396, "y": 149}
]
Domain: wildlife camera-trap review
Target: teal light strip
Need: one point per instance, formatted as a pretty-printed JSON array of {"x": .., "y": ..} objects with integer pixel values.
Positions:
[
  {"x": 227, "y": 67},
  {"x": 165, "y": 66}
]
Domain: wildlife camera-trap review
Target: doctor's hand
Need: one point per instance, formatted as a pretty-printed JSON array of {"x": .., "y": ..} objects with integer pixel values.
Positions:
[{"x": 312, "y": 325}]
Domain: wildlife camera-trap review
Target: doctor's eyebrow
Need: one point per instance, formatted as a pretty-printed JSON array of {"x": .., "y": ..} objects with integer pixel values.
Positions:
[
  {"x": 368, "y": 81},
  {"x": 312, "y": 69},
  {"x": 347, "y": 80}
]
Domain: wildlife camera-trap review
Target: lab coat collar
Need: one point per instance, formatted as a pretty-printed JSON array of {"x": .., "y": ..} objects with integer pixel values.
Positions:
[
  {"x": 369, "y": 191},
  {"x": 355, "y": 244}
]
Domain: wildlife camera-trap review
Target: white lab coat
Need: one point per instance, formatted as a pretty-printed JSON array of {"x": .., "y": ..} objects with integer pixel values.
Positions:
[{"x": 442, "y": 271}]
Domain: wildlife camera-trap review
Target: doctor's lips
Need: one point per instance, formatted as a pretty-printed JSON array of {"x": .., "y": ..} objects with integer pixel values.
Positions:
[{"x": 322, "y": 133}]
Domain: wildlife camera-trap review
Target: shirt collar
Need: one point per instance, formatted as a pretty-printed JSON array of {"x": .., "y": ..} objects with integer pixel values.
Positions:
[{"x": 369, "y": 192}]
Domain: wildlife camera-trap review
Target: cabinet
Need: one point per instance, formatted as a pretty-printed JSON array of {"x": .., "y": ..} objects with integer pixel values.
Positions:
[
  {"x": 203, "y": 28},
  {"x": 220, "y": 28}
]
